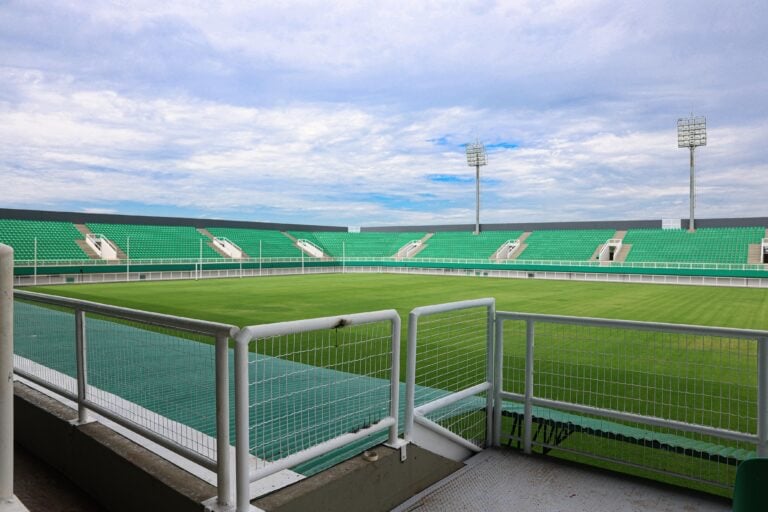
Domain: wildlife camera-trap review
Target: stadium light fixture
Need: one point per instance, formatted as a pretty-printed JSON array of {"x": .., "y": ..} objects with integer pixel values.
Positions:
[
  {"x": 691, "y": 133},
  {"x": 476, "y": 157}
]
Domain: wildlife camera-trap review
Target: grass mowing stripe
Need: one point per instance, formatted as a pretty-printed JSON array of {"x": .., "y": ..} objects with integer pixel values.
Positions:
[{"x": 272, "y": 299}]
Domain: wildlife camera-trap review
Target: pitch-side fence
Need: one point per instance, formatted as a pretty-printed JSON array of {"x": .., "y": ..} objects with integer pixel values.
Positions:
[{"x": 686, "y": 401}]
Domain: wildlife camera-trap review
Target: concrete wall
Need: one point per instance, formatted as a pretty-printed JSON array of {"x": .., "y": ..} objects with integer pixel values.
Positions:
[
  {"x": 361, "y": 484},
  {"x": 124, "y": 476},
  {"x": 83, "y": 218},
  {"x": 608, "y": 224},
  {"x": 119, "y": 474}
]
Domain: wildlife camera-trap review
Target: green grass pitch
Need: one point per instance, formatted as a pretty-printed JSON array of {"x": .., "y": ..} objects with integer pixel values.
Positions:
[{"x": 251, "y": 301}]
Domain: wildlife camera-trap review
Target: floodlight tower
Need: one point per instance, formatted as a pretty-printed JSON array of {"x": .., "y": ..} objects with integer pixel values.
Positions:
[
  {"x": 475, "y": 158},
  {"x": 692, "y": 132}
]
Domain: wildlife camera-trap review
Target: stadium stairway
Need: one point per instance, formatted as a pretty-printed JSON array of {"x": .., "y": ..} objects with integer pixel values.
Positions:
[
  {"x": 295, "y": 241},
  {"x": 401, "y": 253},
  {"x": 213, "y": 246},
  {"x": 83, "y": 229},
  {"x": 622, "y": 255},
  {"x": 520, "y": 248},
  {"x": 754, "y": 255}
]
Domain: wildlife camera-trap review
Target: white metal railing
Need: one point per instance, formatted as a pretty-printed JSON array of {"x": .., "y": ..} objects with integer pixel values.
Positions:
[
  {"x": 48, "y": 366},
  {"x": 763, "y": 250},
  {"x": 707, "y": 382},
  {"x": 289, "y": 352},
  {"x": 229, "y": 247},
  {"x": 311, "y": 249},
  {"x": 507, "y": 249},
  {"x": 613, "y": 243},
  {"x": 408, "y": 249},
  {"x": 433, "y": 346},
  {"x": 480, "y": 263},
  {"x": 590, "y": 386}
]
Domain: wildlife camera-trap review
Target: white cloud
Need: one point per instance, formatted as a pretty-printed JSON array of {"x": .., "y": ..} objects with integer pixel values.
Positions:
[{"x": 345, "y": 112}]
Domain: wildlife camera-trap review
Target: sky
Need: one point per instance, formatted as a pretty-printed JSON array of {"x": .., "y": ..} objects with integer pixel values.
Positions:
[{"x": 357, "y": 113}]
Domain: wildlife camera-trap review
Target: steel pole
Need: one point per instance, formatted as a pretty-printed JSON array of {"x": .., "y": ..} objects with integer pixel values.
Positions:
[
  {"x": 34, "y": 280},
  {"x": 6, "y": 373},
  {"x": 477, "y": 199},
  {"x": 691, "y": 225}
]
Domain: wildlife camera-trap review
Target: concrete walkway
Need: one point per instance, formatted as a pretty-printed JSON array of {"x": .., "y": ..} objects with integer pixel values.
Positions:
[{"x": 507, "y": 480}]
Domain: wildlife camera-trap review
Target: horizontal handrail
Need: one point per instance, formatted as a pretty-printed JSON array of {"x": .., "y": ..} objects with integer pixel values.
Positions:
[
  {"x": 731, "y": 332},
  {"x": 158, "y": 319}
]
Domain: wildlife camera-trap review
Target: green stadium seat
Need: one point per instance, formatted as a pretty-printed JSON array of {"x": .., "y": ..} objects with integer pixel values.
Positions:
[
  {"x": 55, "y": 240},
  {"x": 564, "y": 245},
  {"x": 259, "y": 242},
  {"x": 705, "y": 245},
  {"x": 156, "y": 242},
  {"x": 465, "y": 244},
  {"x": 369, "y": 244}
]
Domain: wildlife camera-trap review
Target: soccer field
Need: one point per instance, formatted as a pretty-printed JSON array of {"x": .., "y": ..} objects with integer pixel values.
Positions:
[
  {"x": 640, "y": 369},
  {"x": 251, "y": 301}
]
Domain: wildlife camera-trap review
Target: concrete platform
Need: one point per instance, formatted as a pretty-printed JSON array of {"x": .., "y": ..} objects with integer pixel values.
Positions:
[{"x": 504, "y": 480}]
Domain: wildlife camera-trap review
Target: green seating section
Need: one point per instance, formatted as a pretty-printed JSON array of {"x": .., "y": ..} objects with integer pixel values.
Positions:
[
  {"x": 362, "y": 245},
  {"x": 255, "y": 242},
  {"x": 156, "y": 242},
  {"x": 570, "y": 245},
  {"x": 465, "y": 244},
  {"x": 55, "y": 240},
  {"x": 705, "y": 245}
]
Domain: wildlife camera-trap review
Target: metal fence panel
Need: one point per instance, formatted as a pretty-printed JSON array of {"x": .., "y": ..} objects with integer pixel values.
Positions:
[
  {"x": 673, "y": 400},
  {"x": 307, "y": 389},
  {"x": 450, "y": 350},
  {"x": 163, "y": 377}
]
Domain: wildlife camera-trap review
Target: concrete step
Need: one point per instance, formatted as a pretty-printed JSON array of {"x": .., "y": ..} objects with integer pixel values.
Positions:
[
  {"x": 754, "y": 256},
  {"x": 210, "y": 243},
  {"x": 87, "y": 249},
  {"x": 83, "y": 229},
  {"x": 622, "y": 255}
]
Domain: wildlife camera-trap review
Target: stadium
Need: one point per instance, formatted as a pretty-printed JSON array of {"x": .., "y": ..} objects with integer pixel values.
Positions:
[
  {"x": 317, "y": 345},
  {"x": 383, "y": 256}
]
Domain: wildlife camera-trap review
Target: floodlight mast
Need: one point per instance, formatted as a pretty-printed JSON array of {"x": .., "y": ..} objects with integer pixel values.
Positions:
[
  {"x": 475, "y": 158},
  {"x": 691, "y": 133}
]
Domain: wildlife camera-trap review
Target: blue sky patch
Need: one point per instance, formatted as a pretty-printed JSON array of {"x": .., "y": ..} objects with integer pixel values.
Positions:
[{"x": 450, "y": 178}]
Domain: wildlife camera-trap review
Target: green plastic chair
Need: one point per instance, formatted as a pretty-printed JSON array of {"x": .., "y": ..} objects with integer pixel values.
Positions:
[{"x": 750, "y": 493}]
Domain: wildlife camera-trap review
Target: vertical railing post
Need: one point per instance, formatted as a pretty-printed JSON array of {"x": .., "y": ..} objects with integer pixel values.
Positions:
[
  {"x": 82, "y": 366},
  {"x": 242, "y": 441},
  {"x": 528, "y": 412},
  {"x": 223, "y": 458},
  {"x": 6, "y": 373},
  {"x": 34, "y": 279},
  {"x": 498, "y": 358},
  {"x": 762, "y": 397},
  {"x": 394, "y": 408},
  {"x": 410, "y": 377},
  {"x": 490, "y": 372}
]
